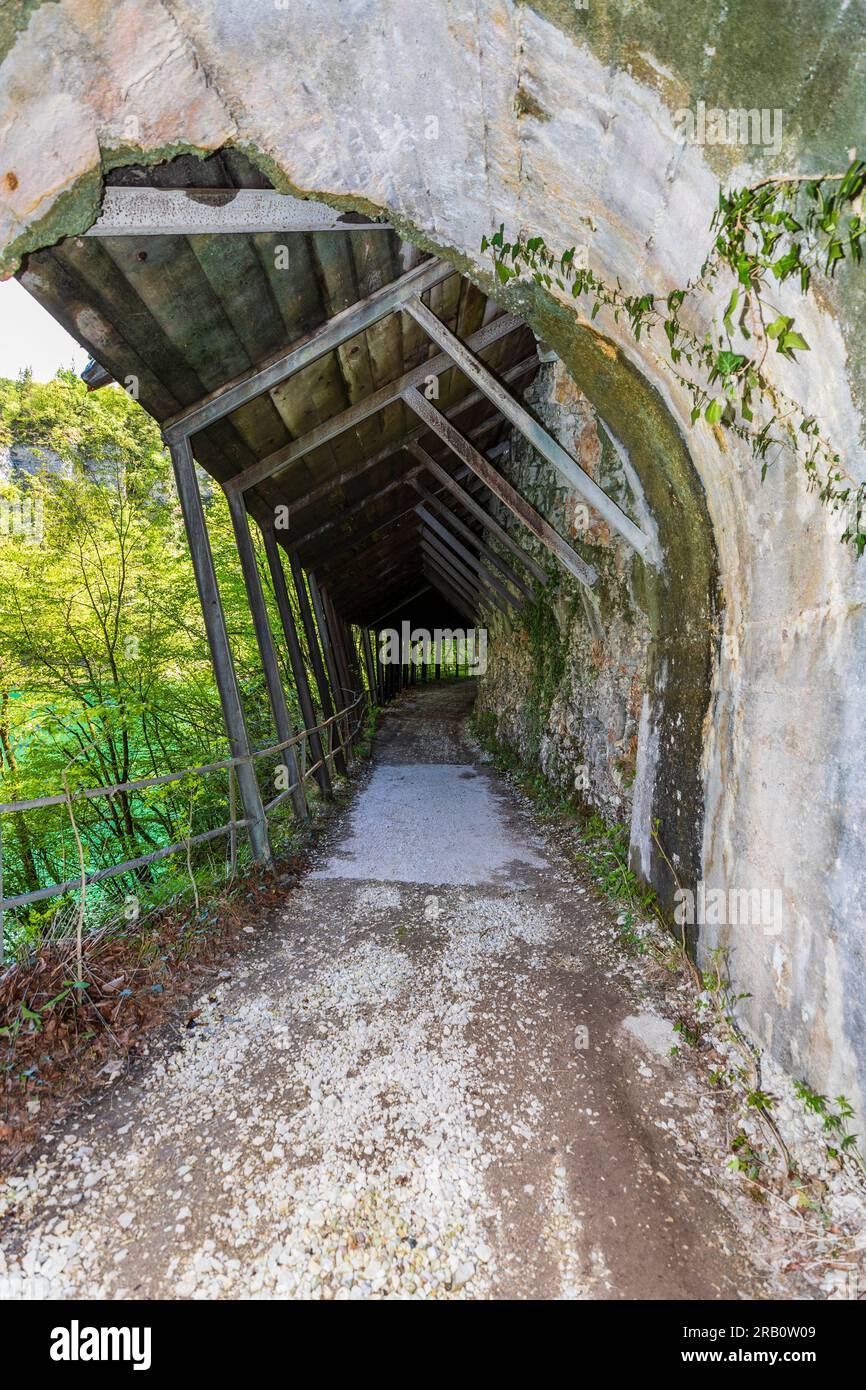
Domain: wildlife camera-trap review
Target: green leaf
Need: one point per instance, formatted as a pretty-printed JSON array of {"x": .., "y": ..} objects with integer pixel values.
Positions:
[
  {"x": 728, "y": 362},
  {"x": 794, "y": 340},
  {"x": 732, "y": 304},
  {"x": 779, "y": 325},
  {"x": 713, "y": 412}
]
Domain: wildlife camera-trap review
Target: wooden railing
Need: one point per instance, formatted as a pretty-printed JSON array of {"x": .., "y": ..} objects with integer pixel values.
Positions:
[{"x": 339, "y": 736}]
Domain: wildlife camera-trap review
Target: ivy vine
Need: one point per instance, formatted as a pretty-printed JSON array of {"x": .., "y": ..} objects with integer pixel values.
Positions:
[{"x": 763, "y": 234}]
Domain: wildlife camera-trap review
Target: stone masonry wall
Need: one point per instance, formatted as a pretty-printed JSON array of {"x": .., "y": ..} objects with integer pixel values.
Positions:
[{"x": 567, "y": 694}]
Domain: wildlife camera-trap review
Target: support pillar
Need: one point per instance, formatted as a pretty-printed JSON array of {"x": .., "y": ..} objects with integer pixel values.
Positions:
[
  {"x": 267, "y": 650},
  {"x": 220, "y": 651},
  {"x": 328, "y": 647},
  {"x": 315, "y": 653},
  {"x": 296, "y": 657},
  {"x": 370, "y": 665}
]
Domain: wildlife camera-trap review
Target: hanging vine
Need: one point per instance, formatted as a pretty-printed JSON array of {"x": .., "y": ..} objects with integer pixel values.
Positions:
[{"x": 764, "y": 234}]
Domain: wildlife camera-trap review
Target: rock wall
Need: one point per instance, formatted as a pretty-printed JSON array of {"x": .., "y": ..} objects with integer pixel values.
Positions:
[
  {"x": 561, "y": 122},
  {"x": 567, "y": 691}
]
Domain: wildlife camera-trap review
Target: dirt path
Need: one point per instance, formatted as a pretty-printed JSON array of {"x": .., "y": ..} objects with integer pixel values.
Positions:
[{"x": 435, "y": 1075}]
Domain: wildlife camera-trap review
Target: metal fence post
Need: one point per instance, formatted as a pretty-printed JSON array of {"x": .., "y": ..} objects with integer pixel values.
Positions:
[{"x": 221, "y": 656}]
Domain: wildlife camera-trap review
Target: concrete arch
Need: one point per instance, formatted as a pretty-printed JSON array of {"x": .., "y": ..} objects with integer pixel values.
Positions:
[{"x": 466, "y": 116}]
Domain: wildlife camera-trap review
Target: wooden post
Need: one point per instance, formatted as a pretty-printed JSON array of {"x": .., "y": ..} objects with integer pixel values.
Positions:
[
  {"x": 220, "y": 651},
  {"x": 296, "y": 657},
  {"x": 267, "y": 650},
  {"x": 314, "y": 651},
  {"x": 370, "y": 665},
  {"x": 531, "y": 429},
  {"x": 500, "y": 488},
  {"x": 328, "y": 647}
]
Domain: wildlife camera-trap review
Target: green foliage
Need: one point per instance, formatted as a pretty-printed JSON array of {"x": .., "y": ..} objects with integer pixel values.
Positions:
[
  {"x": 841, "y": 1144},
  {"x": 764, "y": 235},
  {"x": 105, "y": 674},
  {"x": 745, "y": 1159},
  {"x": 603, "y": 850}
]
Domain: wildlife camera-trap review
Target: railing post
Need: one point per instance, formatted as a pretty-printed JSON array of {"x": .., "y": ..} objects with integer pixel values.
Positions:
[
  {"x": 296, "y": 656},
  {"x": 220, "y": 651},
  {"x": 267, "y": 650},
  {"x": 309, "y": 624}
]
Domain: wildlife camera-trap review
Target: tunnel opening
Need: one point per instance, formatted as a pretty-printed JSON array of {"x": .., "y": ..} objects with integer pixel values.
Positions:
[{"x": 298, "y": 366}]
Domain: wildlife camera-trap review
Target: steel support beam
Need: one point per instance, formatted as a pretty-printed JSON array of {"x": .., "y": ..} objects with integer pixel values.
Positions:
[
  {"x": 220, "y": 651},
  {"x": 432, "y": 527},
  {"x": 449, "y": 562},
  {"x": 462, "y": 579},
  {"x": 397, "y": 606},
  {"x": 298, "y": 542},
  {"x": 455, "y": 593},
  {"x": 500, "y": 487},
  {"x": 368, "y": 576},
  {"x": 537, "y": 435},
  {"x": 336, "y": 559},
  {"x": 368, "y": 662},
  {"x": 449, "y": 593},
  {"x": 467, "y": 564},
  {"x": 326, "y": 488},
  {"x": 338, "y": 644},
  {"x": 349, "y": 322},
  {"x": 434, "y": 551},
  {"x": 296, "y": 657}
]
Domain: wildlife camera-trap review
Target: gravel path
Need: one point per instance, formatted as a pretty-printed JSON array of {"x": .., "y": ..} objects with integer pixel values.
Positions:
[{"x": 433, "y": 1075}]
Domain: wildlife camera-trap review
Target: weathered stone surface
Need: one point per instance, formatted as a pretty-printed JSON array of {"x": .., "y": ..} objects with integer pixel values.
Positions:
[
  {"x": 561, "y": 123},
  {"x": 567, "y": 693}
]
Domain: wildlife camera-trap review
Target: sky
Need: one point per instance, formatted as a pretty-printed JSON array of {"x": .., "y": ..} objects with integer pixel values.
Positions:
[{"x": 30, "y": 337}]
